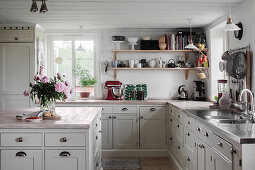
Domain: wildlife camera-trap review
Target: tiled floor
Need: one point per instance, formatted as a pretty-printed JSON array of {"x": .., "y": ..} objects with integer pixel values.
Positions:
[{"x": 157, "y": 163}]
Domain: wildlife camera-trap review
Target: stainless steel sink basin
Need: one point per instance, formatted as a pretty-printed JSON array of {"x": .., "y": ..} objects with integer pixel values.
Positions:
[
  {"x": 232, "y": 121},
  {"x": 224, "y": 117}
]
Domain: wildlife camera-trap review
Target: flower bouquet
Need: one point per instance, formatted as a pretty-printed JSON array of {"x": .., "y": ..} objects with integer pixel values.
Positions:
[{"x": 48, "y": 91}]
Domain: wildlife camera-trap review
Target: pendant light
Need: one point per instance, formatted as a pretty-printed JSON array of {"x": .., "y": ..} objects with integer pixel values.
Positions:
[
  {"x": 44, "y": 8},
  {"x": 34, "y": 7},
  {"x": 191, "y": 45},
  {"x": 230, "y": 26},
  {"x": 80, "y": 48}
]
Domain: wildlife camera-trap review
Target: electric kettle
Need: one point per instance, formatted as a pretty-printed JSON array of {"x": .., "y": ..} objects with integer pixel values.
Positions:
[{"x": 182, "y": 94}]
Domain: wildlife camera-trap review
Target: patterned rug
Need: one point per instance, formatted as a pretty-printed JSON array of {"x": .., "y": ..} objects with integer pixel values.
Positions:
[{"x": 121, "y": 163}]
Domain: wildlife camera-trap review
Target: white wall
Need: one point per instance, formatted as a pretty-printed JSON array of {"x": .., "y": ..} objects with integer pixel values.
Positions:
[{"x": 161, "y": 84}]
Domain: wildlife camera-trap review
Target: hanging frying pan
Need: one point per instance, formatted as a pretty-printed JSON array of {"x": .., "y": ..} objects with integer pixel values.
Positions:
[{"x": 237, "y": 65}]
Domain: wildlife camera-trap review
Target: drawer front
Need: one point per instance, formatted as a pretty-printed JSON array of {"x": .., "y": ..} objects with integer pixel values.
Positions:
[
  {"x": 179, "y": 116},
  {"x": 125, "y": 109},
  {"x": 223, "y": 147},
  {"x": 21, "y": 139},
  {"x": 16, "y": 36},
  {"x": 178, "y": 128},
  {"x": 106, "y": 109},
  {"x": 189, "y": 140},
  {"x": 180, "y": 154},
  {"x": 204, "y": 133},
  {"x": 171, "y": 125},
  {"x": 65, "y": 139},
  {"x": 190, "y": 123},
  {"x": 153, "y": 112}
]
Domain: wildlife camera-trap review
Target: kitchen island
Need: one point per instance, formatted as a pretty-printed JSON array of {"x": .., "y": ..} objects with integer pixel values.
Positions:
[{"x": 74, "y": 142}]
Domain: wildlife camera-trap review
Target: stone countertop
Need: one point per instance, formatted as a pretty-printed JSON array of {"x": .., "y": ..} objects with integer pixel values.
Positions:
[{"x": 72, "y": 118}]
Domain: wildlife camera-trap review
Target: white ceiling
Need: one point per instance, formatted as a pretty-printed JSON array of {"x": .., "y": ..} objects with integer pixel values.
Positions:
[{"x": 98, "y": 14}]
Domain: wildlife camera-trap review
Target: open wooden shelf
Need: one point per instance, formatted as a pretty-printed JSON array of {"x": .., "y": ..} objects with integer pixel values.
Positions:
[
  {"x": 161, "y": 69},
  {"x": 156, "y": 51}
]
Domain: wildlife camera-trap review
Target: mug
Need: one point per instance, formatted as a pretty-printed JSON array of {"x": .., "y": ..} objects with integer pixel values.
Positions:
[{"x": 131, "y": 63}]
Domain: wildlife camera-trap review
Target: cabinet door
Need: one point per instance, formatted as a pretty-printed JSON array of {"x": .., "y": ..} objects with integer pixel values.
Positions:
[
  {"x": 125, "y": 131},
  {"x": 204, "y": 156},
  {"x": 153, "y": 128},
  {"x": 106, "y": 131},
  {"x": 221, "y": 163},
  {"x": 65, "y": 160},
  {"x": 21, "y": 159},
  {"x": 16, "y": 65}
]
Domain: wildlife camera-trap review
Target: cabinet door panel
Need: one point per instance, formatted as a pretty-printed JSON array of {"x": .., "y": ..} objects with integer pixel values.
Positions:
[
  {"x": 221, "y": 163},
  {"x": 65, "y": 160},
  {"x": 106, "y": 131},
  {"x": 21, "y": 160},
  {"x": 125, "y": 131}
]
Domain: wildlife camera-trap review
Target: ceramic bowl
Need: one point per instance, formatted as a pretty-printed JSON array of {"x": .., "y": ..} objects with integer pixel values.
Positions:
[{"x": 132, "y": 39}]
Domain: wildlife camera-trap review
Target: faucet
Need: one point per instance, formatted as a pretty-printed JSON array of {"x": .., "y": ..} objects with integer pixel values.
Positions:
[{"x": 251, "y": 113}]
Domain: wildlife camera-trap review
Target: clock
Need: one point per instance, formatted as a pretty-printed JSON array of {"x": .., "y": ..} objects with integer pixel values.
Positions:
[{"x": 239, "y": 34}]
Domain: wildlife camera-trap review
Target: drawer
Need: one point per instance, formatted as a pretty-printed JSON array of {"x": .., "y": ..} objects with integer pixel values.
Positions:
[
  {"x": 189, "y": 140},
  {"x": 125, "y": 109},
  {"x": 204, "y": 133},
  {"x": 21, "y": 139},
  {"x": 179, "y": 154},
  {"x": 171, "y": 125},
  {"x": 222, "y": 147},
  {"x": 153, "y": 112},
  {"x": 16, "y": 35},
  {"x": 65, "y": 139},
  {"x": 106, "y": 109},
  {"x": 190, "y": 123},
  {"x": 178, "y": 129},
  {"x": 179, "y": 116}
]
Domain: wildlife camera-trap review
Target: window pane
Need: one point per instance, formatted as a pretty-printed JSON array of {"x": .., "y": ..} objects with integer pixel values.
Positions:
[{"x": 63, "y": 58}]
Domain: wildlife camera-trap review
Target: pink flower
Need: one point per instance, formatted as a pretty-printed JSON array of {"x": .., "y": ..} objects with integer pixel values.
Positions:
[
  {"x": 36, "y": 78},
  {"x": 26, "y": 93},
  {"x": 45, "y": 79},
  {"x": 59, "y": 76},
  {"x": 59, "y": 87},
  {"x": 71, "y": 91},
  {"x": 67, "y": 83},
  {"x": 66, "y": 91}
]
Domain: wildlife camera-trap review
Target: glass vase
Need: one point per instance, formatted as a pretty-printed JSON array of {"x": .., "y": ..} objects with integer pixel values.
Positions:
[{"x": 47, "y": 105}]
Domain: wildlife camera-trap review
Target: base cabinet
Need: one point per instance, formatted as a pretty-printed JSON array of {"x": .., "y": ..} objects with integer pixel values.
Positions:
[
  {"x": 125, "y": 131},
  {"x": 107, "y": 131},
  {"x": 21, "y": 160},
  {"x": 204, "y": 156},
  {"x": 65, "y": 160},
  {"x": 220, "y": 162}
]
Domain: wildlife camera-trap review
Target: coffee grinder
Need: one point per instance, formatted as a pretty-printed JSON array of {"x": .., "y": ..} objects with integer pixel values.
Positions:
[{"x": 199, "y": 91}]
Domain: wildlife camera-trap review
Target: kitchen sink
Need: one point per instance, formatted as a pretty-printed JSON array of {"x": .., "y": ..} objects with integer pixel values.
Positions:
[
  {"x": 232, "y": 121},
  {"x": 224, "y": 117}
]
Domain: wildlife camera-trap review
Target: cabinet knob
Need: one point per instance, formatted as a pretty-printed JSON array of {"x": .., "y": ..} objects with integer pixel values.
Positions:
[
  {"x": 179, "y": 116},
  {"x": 171, "y": 120},
  {"x": 100, "y": 131},
  {"x": 96, "y": 137},
  {"x": 232, "y": 151},
  {"x": 188, "y": 134},
  {"x": 178, "y": 126},
  {"x": 16, "y": 38},
  {"x": 109, "y": 117},
  {"x": 153, "y": 109},
  {"x": 114, "y": 117},
  {"x": 97, "y": 164},
  {"x": 102, "y": 108},
  {"x": 20, "y": 139},
  {"x": 220, "y": 144},
  {"x": 198, "y": 129},
  {"x": 188, "y": 122},
  {"x": 64, "y": 153},
  {"x": 124, "y": 109},
  {"x": 178, "y": 147},
  {"x": 64, "y": 139},
  {"x": 206, "y": 134},
  {"x": 21, "y": 154},
  {"x": 171, "y": 138},
  {"x": 188, "y": 159},
  {"x": 141, "y": 117}
]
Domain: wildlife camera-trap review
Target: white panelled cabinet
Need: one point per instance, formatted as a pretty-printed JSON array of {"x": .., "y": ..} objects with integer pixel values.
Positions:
[
  {"x": 152, "y": 127},
  {"x": 21, "y": 159},
  {"x": 107, "y": 131}
]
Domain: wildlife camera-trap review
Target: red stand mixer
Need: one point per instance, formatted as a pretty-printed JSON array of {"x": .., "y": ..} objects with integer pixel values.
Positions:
[{"x": 114, "y": 90}]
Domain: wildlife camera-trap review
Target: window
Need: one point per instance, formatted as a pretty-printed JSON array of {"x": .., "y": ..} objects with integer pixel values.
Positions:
[{"x": 65, "y": 57}]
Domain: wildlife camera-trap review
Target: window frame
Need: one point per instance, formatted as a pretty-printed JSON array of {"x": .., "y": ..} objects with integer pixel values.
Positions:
[{"x": 73, "y": 38}]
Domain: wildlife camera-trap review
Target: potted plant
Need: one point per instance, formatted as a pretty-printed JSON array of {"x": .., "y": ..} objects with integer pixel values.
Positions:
[{"x": 86, "y": 80}]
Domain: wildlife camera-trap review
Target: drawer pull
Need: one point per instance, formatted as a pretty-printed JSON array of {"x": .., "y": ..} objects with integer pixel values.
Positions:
[
  {"x": 114, "y": 117},
  {"x": 16, "y": 38},
  {"x": 178, "y": 147},
  {"x": 201, "y": 146},
  {"x": 206, "y": 134},
  {"x": 232, "y": 151},
  {"x": 198, "y": 129},
  {"x": 188, "y": 159},
  {"x": 152, "y": 109},
  {"x": 188, "y": 134},
  {"x": 171, "y": 138},
  {"x": 178, "y": 126},
  {"x": 102, "y": 108},
  {"x": 141, "y": 117},
  {"x": 124, "y": 109},
  {"x": 64, "y": 139},
  {"x": 64, "y": 153},
  {"x": 96, "y": 137},
  {"x": 188, "y": 122},
  {"x": 97, "y": 164},
  {"x": 100, "y": 131},
  {"x": 179, "y": 116},
  {"x": 21, "y": 154},
  {"x": 20, "y": 139},
  {"x": 220, "y": 144},
  {"x": 109, "y": 117},
  {"x": 171, "y": 111},
  {"x": 171, "y": 120}
]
